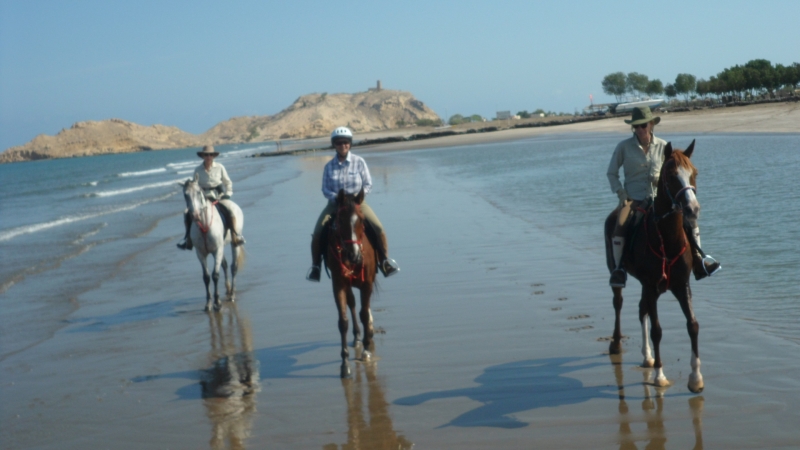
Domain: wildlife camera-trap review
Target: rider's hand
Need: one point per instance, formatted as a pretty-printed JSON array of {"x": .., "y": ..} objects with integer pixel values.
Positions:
[
  {"x": 623, "y": 196},
  {"x": 225, "y": 197}
]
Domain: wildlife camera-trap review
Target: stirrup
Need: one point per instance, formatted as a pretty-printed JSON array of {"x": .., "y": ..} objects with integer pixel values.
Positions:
[
  {"x": 618, "y": 278},
  {"x": 186, "y": 244},
  {"x": 239, "y": 240},
  {"x": 313, "y": 274},
  {"x": 710, "y": 263},
  {"x": 388, "y": 267}
]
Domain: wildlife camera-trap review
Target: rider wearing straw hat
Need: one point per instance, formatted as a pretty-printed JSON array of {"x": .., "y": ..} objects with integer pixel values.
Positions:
[
  {"x": 213, "y": 179},
  {"x": 641, "y": 157},
  {"x": 349, "y": 172}
]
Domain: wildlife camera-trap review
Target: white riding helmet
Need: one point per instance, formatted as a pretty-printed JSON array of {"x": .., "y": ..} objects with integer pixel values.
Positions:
[{"x": 342, "y": 133}]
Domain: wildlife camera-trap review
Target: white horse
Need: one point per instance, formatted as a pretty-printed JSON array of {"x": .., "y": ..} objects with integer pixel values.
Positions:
[{"x": 209, "y": 237}]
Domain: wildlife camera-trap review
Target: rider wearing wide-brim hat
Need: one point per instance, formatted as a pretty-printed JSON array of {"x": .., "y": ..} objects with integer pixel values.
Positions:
[
  {"x": 349, "y": 172},
  {"x": 641, "y": 157},
  {"x": 215, "y": 182}
]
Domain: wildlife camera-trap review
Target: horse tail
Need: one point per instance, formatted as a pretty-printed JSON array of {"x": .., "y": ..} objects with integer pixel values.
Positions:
[{"x": 240, "y": 257}]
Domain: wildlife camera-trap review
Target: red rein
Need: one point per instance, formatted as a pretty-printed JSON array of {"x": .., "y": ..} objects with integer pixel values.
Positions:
[
  {"x": 347, "y": 272},
  {"x": 666, "y": 268}
]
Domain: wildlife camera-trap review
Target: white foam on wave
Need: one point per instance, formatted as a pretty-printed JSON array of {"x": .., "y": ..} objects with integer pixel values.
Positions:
[
  {"x": 28, "y": 229},
  {"x": 133, "y": 189},
  {"x": 184, "y": 172},
  {"x": 91, "y": 183},
  {"x": 142, "y": 173},
  {"x": 182, "y": 164}
]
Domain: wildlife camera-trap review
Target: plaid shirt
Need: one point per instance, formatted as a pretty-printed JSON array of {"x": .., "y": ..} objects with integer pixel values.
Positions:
[{"x": 351, "y": 175}]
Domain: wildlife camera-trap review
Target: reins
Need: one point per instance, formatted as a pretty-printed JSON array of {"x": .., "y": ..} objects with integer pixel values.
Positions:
[
  {"x": 666, "y": 262},
  {"x": 347, "y": 272}
]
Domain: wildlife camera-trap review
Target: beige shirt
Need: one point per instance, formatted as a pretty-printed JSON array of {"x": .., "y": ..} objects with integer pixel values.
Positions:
[
  {"x": 641, "y": 169},
  {"x": 214, "y": 177}
]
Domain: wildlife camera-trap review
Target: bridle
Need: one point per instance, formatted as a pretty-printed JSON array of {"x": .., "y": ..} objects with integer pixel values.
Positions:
[
  {"x": 198, "y": 213},
  {"x": 666, "y": 262},
  {"x": 341, "y": 243},
  {"x": 676, "y": 199}
]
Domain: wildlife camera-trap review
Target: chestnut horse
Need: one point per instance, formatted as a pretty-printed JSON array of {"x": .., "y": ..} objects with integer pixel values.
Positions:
[
  {"x": 660, "y": 257},
  {"x": 351, "y": 259}
]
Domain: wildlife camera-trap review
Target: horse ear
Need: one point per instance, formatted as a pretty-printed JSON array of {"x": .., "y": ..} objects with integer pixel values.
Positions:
[
  {"x": 360, "y": 197},
  {"x": 668, "y": 151},
  {"x": 688, "y": 151}
]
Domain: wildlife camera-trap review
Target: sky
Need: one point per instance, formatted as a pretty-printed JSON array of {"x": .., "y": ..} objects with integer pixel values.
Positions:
[{"x": 193, "y": 64}]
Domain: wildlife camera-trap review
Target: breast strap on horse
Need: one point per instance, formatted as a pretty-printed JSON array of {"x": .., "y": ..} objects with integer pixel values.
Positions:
[{"x": 666, "y": 262}]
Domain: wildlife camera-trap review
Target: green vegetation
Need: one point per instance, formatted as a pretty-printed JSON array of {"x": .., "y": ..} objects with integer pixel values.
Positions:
[
  {"x": 458, "y": 119},
  {"x": 428, "y": 122},
  {"x": 758, "y": 77},
  {"x": 253, "y": 133}
]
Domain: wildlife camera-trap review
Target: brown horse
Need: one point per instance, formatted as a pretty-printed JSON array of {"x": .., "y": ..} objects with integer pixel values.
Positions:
[
  {"x": 660, "y": 257},
  {"x": 351, "y": 259}
]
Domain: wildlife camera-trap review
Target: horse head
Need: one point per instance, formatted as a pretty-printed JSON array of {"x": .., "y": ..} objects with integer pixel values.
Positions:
[
  {"x": 349, "y": 225},
  {"x": 194, "y": 196},
  {"x": 677, "y": 182}
]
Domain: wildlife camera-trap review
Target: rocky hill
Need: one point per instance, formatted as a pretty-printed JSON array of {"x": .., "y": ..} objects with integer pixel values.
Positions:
[
  {"x": 316, "y": 115},
  {"x": 311, "y": 115}
]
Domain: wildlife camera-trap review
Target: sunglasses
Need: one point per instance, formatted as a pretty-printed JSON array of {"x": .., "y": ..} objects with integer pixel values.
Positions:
[
  {"x": 641, "y": 125},
  {"x": 209, "y": 156},
  {"x": 341, "y": 142}
]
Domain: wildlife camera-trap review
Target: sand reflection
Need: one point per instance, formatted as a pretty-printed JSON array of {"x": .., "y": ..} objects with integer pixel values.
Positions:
[
  {"x": 371, "y": 428},
  {"x": 652, "y": 408},
  {"x": 230, "y": 385}
]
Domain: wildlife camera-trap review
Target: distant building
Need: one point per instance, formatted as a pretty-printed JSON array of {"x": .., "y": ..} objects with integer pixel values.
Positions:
[
  {"x": 377, "y": 88},
  {"x": 503, "y": 115}
]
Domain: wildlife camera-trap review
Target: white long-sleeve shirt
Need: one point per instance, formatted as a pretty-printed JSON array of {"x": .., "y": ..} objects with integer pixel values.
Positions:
[
  {"x": 641, "y": 168},
  {"x": 214, "y": 177}
]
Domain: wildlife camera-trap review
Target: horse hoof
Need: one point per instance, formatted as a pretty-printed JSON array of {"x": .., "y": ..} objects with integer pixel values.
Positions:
[
  {"x": 648, "y": 363},
  {"x": 207, "y": 308},
  {"x": 696, "y": 385},
  {"x": 615, "y": 348},
  {"x": 345, "y": 372},
  {"x": 366, "y": 356},
  {"x": 661, "y": 381}
]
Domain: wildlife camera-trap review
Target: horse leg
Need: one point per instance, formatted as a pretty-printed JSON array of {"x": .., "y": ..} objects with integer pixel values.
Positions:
[
  {"x": 224, "y": 266},
  {"x": 206, "y": 280},
  {"x": 218, "y": 257},
  {"x": 645, "y": 324},
  {"x": 616, "y": 346},
  {"x": 650, "y": 300},
  {"x": 340, "y": 296},
  {"x": 234, "y": 268},
  {"x": 351, "y": 304},
  {"x": 684, "y": 296},
  {"x": 366, "y": 320}
]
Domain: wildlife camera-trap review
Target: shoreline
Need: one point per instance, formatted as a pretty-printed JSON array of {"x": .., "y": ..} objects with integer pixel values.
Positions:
[{"x": 767, "y": 118}]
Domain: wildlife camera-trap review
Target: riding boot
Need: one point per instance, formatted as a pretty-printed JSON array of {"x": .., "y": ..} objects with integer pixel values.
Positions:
[
  {"x": 186, "y": 243},
  {"x": 316, "y": 260},
  {"x": 702, "y": 266},
  {"x": 618, "y": 275},
  {"x": 387, "y": 266},
  {"x": 236, "y": 238}
]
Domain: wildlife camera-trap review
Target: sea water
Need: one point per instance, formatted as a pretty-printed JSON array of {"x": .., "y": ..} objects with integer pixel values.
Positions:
[{"x": 66, "y": 225}]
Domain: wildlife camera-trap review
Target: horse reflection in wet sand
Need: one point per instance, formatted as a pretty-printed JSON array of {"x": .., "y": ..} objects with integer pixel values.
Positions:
[
  {"x": 230, "y": 385},
  {"x": 660, "y": 257},
  {"x": 652, "y": 408},
  {"x": 370, "y": 429},
  {"x": 352, "y": 263}
]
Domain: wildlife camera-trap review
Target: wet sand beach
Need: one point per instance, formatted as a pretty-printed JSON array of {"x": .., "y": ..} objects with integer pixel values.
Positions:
[{"x": 494, "y": 335}]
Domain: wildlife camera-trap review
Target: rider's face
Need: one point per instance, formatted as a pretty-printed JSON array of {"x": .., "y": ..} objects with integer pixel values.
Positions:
[{"x": 342, "y": 147}]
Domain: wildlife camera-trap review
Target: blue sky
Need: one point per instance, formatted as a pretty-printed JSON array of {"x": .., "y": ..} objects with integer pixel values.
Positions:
[{"x": 194, "y": 64}]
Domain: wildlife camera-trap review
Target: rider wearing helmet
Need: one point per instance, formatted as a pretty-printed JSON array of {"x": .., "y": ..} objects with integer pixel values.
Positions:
[
  {"x": 213, "y": 179},
  {"x": 349, "y": 172},
  {"x": 640, "y": 158}
]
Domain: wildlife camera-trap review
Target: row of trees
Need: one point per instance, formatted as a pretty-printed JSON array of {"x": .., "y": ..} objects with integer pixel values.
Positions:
[{"x": 756, "y": 77}]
